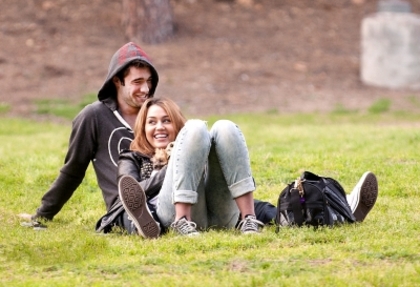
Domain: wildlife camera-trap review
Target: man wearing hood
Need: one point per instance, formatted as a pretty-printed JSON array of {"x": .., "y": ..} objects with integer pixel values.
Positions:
[{"x": 101, "y": 130}]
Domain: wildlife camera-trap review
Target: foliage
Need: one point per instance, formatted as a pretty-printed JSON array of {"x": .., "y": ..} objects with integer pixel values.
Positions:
[
  {"x": 381, "y": 251},
  {"x": 380, "y": 106},
  {"x": 63, "y": 107},
  {"x": 4, "y": 108}
]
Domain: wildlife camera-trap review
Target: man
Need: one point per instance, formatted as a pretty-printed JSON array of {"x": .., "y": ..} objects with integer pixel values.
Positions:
[{"x": 101, "y": 130}]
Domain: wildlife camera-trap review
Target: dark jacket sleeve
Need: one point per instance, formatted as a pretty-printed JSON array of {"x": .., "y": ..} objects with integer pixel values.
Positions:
[
  {"x": 130, "y": 163},
  {"x": 82, "y": 146}
]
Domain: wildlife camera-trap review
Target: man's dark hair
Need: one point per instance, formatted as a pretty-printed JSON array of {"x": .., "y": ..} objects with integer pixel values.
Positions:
[{"x": 136, "y": 63}]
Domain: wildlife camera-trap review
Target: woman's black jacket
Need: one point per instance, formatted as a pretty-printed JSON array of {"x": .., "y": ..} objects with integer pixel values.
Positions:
[{"x": 140, "y": 167}]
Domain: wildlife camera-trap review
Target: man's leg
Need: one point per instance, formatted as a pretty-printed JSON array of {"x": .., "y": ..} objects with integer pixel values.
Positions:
[
  {"x": 364, "y": 195},
  {"x": 265, "y": 211}
]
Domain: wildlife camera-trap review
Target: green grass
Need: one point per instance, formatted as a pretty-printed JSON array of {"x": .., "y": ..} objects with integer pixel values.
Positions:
[{"x": 381, "y": 251}]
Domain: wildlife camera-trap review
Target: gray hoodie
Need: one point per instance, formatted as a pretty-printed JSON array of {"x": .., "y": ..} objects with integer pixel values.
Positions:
[{"x": 98, "y": 135}]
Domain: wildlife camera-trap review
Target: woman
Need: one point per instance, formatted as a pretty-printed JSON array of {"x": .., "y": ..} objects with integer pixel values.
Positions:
[{"x": 207, "y": 182}]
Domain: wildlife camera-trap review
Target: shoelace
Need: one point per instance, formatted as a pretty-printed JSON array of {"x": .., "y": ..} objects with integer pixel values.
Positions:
[
  {"x": 249, "y": 224},
  {"x": 185, "y": 227}
]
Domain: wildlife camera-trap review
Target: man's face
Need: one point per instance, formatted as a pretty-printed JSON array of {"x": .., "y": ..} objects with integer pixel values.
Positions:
[{"x": 135, "y": 90}]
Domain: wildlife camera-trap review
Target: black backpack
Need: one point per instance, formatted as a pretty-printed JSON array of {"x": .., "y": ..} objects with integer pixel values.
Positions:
[{"x": 313, "y": 200}]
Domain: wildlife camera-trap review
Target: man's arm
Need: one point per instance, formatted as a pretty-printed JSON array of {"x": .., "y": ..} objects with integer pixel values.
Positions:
[{"x": 82, "y": 147}]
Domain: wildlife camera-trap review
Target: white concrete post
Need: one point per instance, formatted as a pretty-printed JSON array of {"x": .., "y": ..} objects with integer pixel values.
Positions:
[{"x": 390, "y": 50}]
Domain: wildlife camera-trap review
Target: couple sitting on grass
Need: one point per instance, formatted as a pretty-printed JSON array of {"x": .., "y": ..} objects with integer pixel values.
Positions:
[{"x": 207, "y": 182}]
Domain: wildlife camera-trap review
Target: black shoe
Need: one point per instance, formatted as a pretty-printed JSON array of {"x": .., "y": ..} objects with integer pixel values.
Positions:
[
  {"x": 134, "y": 201},
  {"x": 250, "y": 225},
  {"x": 185, "y": 227}
]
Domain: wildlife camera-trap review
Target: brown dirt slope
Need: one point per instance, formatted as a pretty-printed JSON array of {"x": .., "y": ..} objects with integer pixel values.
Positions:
[{"x": 248, "y": 55}]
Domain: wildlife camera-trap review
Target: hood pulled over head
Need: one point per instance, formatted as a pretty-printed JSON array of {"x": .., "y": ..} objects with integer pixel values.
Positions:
[{"x": 122, "y": 57}]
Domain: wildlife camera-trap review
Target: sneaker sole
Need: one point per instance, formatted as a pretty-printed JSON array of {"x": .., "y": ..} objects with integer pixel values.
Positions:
[
  {"x": 368, "y": 196},
  {"x": 133, "y": 199}
]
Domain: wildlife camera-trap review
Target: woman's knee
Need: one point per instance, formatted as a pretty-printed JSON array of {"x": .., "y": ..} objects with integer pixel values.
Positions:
[
  {"x": 225, "y": 130},
  {"x": 196, "y": 131},
  {"x": 196, "y": 124},
  {"x": 222, "y": 125}
]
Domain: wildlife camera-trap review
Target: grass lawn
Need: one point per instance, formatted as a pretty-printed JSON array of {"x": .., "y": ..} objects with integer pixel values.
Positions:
[{"x": 381, "y": 251}]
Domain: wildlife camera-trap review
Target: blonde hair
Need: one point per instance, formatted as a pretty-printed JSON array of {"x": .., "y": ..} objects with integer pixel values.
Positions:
[{"x": 140, "y": 142}]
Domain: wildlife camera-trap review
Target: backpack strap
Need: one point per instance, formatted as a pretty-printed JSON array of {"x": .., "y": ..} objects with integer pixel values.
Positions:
[
  {"x": 277, "y": 220},
  {"x": 328, "y": 220},
  {"x": 296, "y": 193}
]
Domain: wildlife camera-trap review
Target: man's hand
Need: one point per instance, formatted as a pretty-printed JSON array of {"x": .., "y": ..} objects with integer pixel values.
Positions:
[
  {"x": 30, "y": 222},
  {"x": 25, "y": 216}
]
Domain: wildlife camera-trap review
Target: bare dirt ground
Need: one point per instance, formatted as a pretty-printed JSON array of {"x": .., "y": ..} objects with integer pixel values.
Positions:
[{"x": 248, "y": 55}]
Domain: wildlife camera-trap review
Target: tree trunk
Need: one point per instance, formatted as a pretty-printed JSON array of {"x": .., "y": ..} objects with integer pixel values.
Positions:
[{"x": 150, "y": 21}]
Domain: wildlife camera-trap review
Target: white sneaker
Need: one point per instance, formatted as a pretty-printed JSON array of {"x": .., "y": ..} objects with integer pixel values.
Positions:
[{"x": 363, "y": 197}]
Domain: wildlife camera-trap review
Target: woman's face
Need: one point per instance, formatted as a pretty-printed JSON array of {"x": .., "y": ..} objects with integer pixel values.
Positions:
[{"x": 159, "y": 128}]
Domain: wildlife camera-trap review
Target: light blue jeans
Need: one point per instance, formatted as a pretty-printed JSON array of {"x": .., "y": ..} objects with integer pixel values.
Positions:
[{"x": 207, "y": 169}]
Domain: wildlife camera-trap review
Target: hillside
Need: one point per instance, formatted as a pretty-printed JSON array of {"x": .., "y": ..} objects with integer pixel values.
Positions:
[{"x": 248, "y": 55}]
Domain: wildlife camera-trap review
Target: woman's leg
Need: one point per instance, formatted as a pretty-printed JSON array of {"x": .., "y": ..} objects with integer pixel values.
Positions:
[
  {"x": 184, "y": 176},
  {"x": 229, "y": 176}
]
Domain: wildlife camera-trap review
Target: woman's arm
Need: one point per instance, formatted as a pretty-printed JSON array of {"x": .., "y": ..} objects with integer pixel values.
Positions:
[{"x": 130, "y": 163}]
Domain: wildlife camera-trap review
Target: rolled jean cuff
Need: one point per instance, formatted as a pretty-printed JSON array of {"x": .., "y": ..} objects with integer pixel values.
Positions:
[
  {"x": 242, "y": 187},
  {"x": 184, "y": 196}
]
